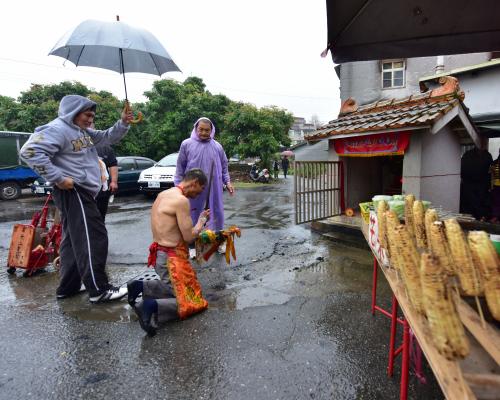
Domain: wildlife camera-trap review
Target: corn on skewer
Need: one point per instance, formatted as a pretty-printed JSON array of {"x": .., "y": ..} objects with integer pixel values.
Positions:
[
  {"x": 447, "y": 330},
  {"x": 392, "y": 221},
  {"x": 419, "y": 224},
  {"x": 460, "y": 253},
  {"x": 440, "y": 248},
  {"x": 486, "y": 259},
  {"x": 409, "y": 199},
  {"x": 409, "y": 266},
  {"x": 382, "y": 230},
  {"x": 430, "y": 217}
]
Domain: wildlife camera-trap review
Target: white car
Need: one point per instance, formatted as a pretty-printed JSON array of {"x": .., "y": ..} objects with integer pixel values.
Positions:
[{"x": 160, "y": 176}]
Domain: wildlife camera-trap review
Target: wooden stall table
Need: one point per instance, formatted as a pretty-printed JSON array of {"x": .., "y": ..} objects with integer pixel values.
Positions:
[{"x": 475, "y": 377}]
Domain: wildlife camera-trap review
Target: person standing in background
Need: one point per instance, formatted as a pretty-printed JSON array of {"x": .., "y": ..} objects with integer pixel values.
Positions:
[
  {"x": 285, "y": 163},
  {"x": 107, "y": 155},
  {"x": 202, "y": 151},
  {"x": 276, "y": 168},
  {"x": 475, "y": 183}
]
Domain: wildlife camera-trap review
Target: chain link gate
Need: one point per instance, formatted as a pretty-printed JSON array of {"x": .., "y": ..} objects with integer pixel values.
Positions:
[{"x": 318, "y": 190}]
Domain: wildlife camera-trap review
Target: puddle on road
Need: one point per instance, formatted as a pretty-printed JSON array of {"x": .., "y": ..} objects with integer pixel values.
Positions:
[
  {"x": 323, "y": 270},
  {"x": 313, "y": 268},
  {"x": 38, "y": 293}
]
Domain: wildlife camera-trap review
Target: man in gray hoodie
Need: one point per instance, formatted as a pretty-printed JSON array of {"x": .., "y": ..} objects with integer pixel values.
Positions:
[{"x": 63, "y": 152}]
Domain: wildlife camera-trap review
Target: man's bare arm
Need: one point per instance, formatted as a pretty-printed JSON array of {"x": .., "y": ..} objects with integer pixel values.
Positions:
[{"x": 188, "y": 232}]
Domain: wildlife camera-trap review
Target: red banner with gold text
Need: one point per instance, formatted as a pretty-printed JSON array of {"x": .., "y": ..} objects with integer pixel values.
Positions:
[{"x": 383, "y": 144}]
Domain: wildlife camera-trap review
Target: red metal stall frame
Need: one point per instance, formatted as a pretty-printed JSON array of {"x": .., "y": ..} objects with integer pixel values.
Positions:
[{"x": 404, "y": 349}]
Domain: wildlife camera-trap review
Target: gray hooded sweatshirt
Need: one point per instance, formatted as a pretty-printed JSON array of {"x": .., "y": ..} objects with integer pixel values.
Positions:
[{"x": 61, "y": 149}]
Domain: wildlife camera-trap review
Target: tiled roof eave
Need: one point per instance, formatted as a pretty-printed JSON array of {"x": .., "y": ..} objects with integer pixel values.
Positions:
[{"x": 341, "y": 135}]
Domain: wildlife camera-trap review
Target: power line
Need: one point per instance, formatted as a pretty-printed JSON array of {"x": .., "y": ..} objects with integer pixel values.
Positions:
[{"x": 216, "y": 87}]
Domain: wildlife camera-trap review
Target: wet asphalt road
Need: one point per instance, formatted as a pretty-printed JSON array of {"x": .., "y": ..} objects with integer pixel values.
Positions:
[{"x": 289, "y": 320}]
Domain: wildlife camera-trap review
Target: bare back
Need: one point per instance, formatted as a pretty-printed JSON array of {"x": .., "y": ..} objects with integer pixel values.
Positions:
[{"x": 170, "y": 218}]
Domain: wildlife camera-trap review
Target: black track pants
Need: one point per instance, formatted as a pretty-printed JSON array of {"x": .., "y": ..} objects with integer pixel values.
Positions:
[{"x": 84, "y": 246}]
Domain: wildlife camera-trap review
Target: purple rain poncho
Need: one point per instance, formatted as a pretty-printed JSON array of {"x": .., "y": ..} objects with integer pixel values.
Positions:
[{"x": 195, "y": 153}]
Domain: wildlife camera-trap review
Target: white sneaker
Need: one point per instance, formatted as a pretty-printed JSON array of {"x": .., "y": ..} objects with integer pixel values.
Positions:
[
  {"x": 64, "y": 296},
  {"x": 222, "y": 248},
  {"x": 113, "y": 293},
  {"x": 192, "y": 254}
]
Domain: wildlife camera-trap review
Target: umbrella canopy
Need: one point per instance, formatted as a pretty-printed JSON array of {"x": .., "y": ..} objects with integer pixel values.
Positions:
[
  {"x": 287, "y": 153},
  {"x": 115, "y": 46},
  {"x": 382, "y": 29}
]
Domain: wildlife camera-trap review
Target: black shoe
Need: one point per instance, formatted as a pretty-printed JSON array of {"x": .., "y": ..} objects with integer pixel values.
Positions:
[
  {"x": 145, "y": 322},
  {"x": 65, "y": 296},
  {"x": 134, "y": 289},
  {"x": 113, "y": 293}
]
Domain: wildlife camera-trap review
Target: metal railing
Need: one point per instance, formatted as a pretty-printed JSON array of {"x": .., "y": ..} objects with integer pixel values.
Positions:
[{"x": 318, "y": 190}]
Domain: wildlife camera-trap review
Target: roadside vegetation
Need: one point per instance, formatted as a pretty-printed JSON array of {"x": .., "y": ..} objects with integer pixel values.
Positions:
[{"x": 170, "y": 111}]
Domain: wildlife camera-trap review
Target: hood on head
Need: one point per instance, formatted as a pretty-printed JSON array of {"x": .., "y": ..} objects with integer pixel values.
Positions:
[
  {"x": 194, "y": 134},
  {"x": 71, "y": 105}
]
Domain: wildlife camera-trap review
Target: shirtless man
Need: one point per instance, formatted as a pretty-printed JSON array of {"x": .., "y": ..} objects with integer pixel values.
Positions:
[{"x": 177, "y": 294}]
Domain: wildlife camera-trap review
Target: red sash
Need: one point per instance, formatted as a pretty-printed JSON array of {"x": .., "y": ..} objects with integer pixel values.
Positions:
[{"x": 185, "y": 284}]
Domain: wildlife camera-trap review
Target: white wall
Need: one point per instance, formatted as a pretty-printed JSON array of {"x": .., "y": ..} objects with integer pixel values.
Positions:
[
  {"x": 431, "y": 168},
  {"x": 317, "y": 151},
  {"x": 362, "y": 80}
]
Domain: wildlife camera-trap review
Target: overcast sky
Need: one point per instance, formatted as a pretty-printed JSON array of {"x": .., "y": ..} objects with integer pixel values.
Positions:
[{"x": 265, "y": 52}]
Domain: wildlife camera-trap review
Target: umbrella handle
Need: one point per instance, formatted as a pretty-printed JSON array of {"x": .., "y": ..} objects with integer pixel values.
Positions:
[{"x": 139, "y": 117}]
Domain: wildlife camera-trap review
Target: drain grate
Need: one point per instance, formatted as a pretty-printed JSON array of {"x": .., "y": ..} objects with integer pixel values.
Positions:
[{"x": 148, "y": 276}]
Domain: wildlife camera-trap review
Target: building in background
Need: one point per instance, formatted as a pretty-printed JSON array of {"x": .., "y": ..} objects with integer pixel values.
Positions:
[
  {"x": 370, "y": 81},
  {"x": 481, "y": 85},
  {"x": 386, "y": 101},
  {"x": 300, "y": 128}
]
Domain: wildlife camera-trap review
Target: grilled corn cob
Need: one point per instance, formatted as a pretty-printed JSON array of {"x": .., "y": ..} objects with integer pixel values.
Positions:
[
  {"x": 392, "y": 221},
  {"x": 440, "y": 248},
  {"x": 430, "y": 217},
  {"x": 468, "y": 276},
  {"x": 486, "y": 259},
  {"x": 382, "y": 230},
  {"x": 448, "y": 333},
  {"x": 409, "y": 266},
  {"x": 419, "y": 224},
  {"x": 409, "y": 199}
]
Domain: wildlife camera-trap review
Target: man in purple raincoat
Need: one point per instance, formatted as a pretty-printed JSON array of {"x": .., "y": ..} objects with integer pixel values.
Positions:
[{"x": 202, "y": 151}]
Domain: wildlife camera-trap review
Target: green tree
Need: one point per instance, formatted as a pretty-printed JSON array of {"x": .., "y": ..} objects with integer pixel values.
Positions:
[
  {"x": 39, "y": 94},
  {"x": 253, "y": 132},
  {"x": 9, "y": 114},
  {"x": 171, "y": 110}
]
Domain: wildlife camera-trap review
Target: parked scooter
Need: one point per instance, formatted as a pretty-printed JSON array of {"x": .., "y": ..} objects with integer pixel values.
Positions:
[{"x": 259, "y": 176}]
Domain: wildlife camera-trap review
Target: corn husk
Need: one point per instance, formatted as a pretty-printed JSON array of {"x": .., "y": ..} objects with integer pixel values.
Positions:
[
  {"x": 419, "y": 224},
  {"x": 486, "y": 260},
  {"x": 382, "y": 230},
  {"x": 409, "y": 199},
  {"x": 440, "y": 248},
  {"x": 448, "y": 333},
  {"x": 469, "y": 277},
  {"x": 409, "y": 266},
  {"x": 431, "y": 216}
]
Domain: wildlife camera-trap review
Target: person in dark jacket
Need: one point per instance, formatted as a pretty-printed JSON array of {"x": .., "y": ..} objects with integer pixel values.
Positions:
[
  {"x": 276, "y": 168},
  {"x": 285, "y": 163},
  {"x": 475, "y": 184},
  {"x": 107, "y": 155}
]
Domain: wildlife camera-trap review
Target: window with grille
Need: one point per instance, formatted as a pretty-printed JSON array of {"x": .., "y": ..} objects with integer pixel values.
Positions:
[{"x": 393, "y": 74}]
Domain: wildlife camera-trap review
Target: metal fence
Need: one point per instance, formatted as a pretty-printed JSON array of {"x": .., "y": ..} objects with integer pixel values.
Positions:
[{"x": 319, "y": 190}]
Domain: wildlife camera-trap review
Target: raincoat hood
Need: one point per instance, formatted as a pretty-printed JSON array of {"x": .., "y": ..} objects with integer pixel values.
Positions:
[
  {"x": 194, "y": 134},
  {"x": 71, "y": 105}
]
